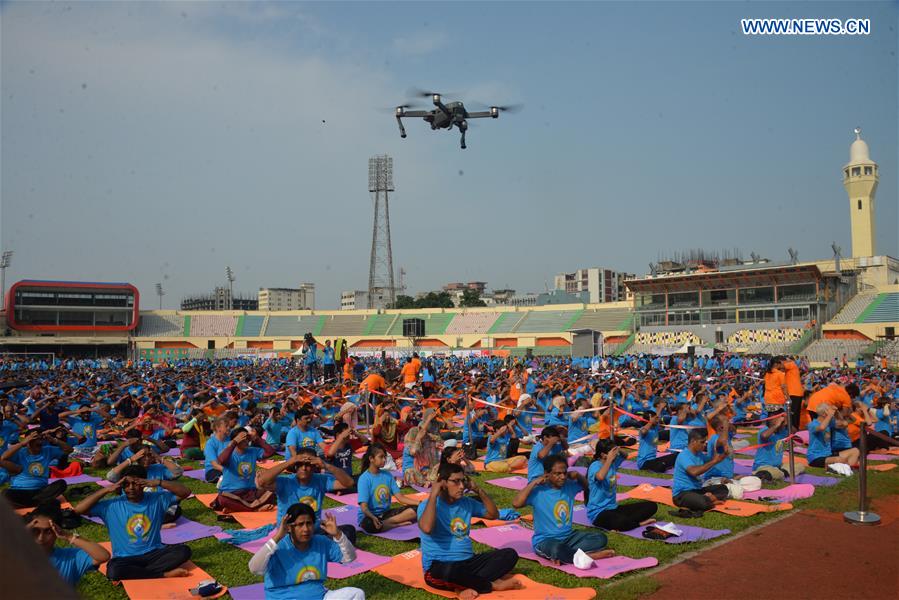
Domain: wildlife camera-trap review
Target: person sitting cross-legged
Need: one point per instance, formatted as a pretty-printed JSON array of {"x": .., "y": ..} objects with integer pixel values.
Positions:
[
  {"x": 688, "y": 491},
  {"x": 134, "y": 521},
  {"x": 602, "y": 506},
  {"x": 447, "y": 557},
  {"x": 295, "y": 561},
  {"x": 29, "y": 463},
  {"x": 552, "y": 497},
  {"x": 237, "y": 488}
]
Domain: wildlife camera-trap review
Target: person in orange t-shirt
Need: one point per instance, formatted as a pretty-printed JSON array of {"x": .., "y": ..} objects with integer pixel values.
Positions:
[
  {"x": 775, "y": 388},
  {"x": 409, "y": 374},
  {"x": 794, "y": 388},
  {"x": 836, "y": 395}
]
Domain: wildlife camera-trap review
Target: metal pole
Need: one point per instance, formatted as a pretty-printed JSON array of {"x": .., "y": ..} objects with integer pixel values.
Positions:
[
  {"x": 789, "y": 404},
  {"x": 862, "y": 516}
]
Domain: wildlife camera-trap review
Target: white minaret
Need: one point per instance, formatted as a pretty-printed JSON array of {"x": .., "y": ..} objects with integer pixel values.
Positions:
[{"x": 860, "y": 179}]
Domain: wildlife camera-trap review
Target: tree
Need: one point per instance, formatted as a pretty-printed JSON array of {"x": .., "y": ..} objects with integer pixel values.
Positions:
[
  {"x": 435, "y": 300},
  {"x": 404, "y": 302},
  {"x": 471, "y": 298}
]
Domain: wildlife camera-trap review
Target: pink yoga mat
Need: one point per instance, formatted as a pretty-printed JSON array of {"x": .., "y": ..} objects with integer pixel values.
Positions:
[
  {"x": 519, "y": 538},
  {"x": 186, "y": 530},
  {"x": 517, "y": 482},
  {"x": 352, "y": 498},
  {"x": 797, "y": 491},
  {"x": 199, "y": 474}
]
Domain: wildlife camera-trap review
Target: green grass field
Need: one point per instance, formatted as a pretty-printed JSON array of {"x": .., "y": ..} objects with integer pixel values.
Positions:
[{"x": 228, "y": 564}]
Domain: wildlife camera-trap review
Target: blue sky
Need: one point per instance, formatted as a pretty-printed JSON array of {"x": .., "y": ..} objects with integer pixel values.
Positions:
[{"x": 149, "y": 142}]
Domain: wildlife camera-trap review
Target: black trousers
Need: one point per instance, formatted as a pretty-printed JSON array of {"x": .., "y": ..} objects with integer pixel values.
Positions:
[
  {"x": 28, "y": 498},
  {"x": 330, "y": 372},
  {"x": 476, "y": 573},
  {"x": 151, "y": 565},
  {"x": 660, "y": 464},
  {"x": 626, "y": 516},
  {"x": 795, "y": 410},
  {"x": 696, "y": 500}
]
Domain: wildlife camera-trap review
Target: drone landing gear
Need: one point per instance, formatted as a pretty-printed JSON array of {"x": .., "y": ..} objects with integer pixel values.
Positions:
[
  {"x": 399, "y": 122},
  {"x": 463, "y": 127},
  {"x": 463, "y": 140}
]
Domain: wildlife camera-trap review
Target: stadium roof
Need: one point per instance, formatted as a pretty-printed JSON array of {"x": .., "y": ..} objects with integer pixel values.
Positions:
[{"x": 779, "y": 274}]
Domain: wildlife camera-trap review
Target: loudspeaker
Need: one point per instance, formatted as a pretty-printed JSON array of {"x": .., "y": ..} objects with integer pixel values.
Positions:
[
  {"x": 691, "y": 351},
  {"x": 890, "y": 332},
  {"x": 413, "y": 327}
]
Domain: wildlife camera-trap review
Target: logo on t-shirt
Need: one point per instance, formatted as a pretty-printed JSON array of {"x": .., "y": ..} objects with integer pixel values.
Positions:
[
  {"x": 138, "y": 527},
  {"x": 458, "y": 527},
  {"x": 562, "y": 513},
  {"x": 308, "y": 573},
  {"x": 382, "y": 495},
  {"x": 88, "y": 431},
  {"x": 244, "y": 469},
  {"x": 613, "y": 481},
  {"x": 36, "y": 469},
  {"x": 310, "y": 501}
]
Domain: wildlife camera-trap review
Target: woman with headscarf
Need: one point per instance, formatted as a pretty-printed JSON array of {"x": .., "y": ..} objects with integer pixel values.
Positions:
[
  {"x": 387, "y": 432},
  {"x": 421, "y": 450}
]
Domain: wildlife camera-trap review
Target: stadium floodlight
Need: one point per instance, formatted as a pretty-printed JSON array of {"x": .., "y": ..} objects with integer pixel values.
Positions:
[
  {"x": 5, "y": 261},
  {"x": 229, "y": 273},
  {"x": 159, "y": 293}
]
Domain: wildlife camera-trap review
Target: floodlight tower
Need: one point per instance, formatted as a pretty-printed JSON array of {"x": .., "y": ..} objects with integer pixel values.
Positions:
[
  {"x": 159, "y": 293},
  {"x": 5, "y": 261},
  {"x": 380, "y": 270},
  {"x": 230, "y": 275}
]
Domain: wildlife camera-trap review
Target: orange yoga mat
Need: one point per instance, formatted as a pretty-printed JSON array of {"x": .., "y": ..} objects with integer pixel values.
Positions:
[
  {"x": 491, "y": 522},
  {"x": 406, "y": 569},
  {"x": 479, "y": 467},
  {"x": 25, "y": 511},
  {"x": 736, "y": 508},
  {"x": 249, "y": 520},
  {"x": 167, "y": 588},
  {"x": 882, "y": 467}
]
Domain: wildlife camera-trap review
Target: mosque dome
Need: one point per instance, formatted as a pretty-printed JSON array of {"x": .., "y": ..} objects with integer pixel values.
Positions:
[{"x": 858, "y": 151}]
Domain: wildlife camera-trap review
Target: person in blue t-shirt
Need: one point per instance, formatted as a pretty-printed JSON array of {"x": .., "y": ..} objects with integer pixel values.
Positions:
[
  {"x": 717, "y": 444},
  {"x": 552, "y": 497},
  {"x": 134, "y": 521},
  {"x": 688, "y": 491},
  {"x": 602, "y": 507},
  {"x": 647, "y": 454},
  {"x": 768, "y": 463},
  {"x": 376, "y": 488},
  {"x": 447, "y": 556},
  {"x": 158, "y": 467},
  {"x": 295, "y": 561},
  {"x": 308, "y": 486},
  {"x": 550, "y": 442},
  {"x": 29, "y": 461},
  {"x": 237, "y": 489},
  {"x": 497, "y": 459},
  {"x": 329, "y": 367},
  {"x": 303, "y": 434},
  {"x": 72, "y": 563},
  {"x": 820, "y": 451}
]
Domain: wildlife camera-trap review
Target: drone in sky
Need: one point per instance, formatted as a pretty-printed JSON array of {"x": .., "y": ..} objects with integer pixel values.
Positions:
[{"x": 446, "y": 115}]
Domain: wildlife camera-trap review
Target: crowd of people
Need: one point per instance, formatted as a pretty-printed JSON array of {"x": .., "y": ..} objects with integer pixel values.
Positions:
[{"x": 421, "y": 422}]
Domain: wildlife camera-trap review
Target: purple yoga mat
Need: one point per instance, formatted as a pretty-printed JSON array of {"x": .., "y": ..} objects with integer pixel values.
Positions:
[
  {"x": 248, "y": 592},
  {"x": 817, "y": 480},
  {"x": 517, "y": 482},
  {"x": 519, "y": 538},
  {"x": 883, "y": 457},
  {"x": 78, "y": 479},
  {"x": 186, "y": 530},
  {"x": 199, "y": 474},
  {"x": 400, "y": 534},
  {"x": 627, "y": 479},
  {"x": 788, "y": 494},
  {"x": 352, "y": 498},
  {"x": 632, "y": 466},
  {"x": 691, "y": 534},
  {"x": 365, "y": 561}
]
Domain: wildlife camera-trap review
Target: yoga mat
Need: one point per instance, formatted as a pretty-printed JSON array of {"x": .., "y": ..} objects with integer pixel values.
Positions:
[
  {"x": 186, "y": 530},
  {"x": 691, "y": 534},
  {"x": 351, "y": 498},
  {"x": 404, "y": 533},
  {"x": 632, "y": 466},
  {"x": 817, "y": 480},
  {"x": 198, "y": 474},
  {"x": 517, "y": 482},
  {"x": 248, "y": 520},
  {"x": 170, "y": 588},
  {"x": 249, "y": 592},
  {"x": 365, "y": 561},
  {"x": 736, "y": 508},
  {"x": 627, "y": 479},
  {"x": 884, "y": 467},
  {"x": 406, "y": 569},
  {"x": 519, "y": 538},
  {"x": 75, "y": 479},
  {"x": 797, "y": 491},
  {"x": 882, "y": 457},
  {"x": 491, "y": 522},
  {"x": 479, "y": 467}
]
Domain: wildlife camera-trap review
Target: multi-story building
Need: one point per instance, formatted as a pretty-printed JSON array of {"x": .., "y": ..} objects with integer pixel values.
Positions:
[
  {"x": 301, "y": 298},
  {"x": 603, "y": 285},
  {"x": 219, "y": 299},
  {"x": 353, "y": 300}
]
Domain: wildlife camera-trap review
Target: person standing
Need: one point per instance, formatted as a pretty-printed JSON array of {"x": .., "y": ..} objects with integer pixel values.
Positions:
[
  {"x": 795, "y": 389},
  {"x": 329, "y": 365}
]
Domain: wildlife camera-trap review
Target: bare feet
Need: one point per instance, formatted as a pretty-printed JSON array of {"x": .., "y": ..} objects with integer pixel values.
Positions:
[
  {"x": 601, "y": 554},
  {"x": 501, "y": 585},
  {"x": 647, "y": 522},
  {"x": 168, "y": 525},
  {"x": 468, "y": 594},
  {"x": 179, "y": 572}
]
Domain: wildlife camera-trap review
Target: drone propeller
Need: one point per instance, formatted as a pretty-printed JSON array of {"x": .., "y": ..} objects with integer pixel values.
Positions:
[
  {"x": 509, "y": 108},
  {"x": 390, "y": 109},
  {"x": 420, "y": 93}
]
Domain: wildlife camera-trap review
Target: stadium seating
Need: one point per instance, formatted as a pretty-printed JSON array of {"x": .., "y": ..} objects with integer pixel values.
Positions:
[
  {"x": 292, "y": 326},
  {"x": 435, "y": 323},
  {"x": 828, "y": 349},
  {"x": 213, "y": 325},
  {"x": 250, "y": 326},
  {"x": 474, "y": 322},
  {"x": 601, "y": 319},
  {"x": 884, "y": 309},
  {"x": 379, "y": 324},
  {"x": 547, "y": 321},
  {"x": 160, "y": 326},
  {"x": 667, "y": 339},
  {"x": 851, "y": 311},
  {"x": 344, "y": 325},
  {"x": 507, "y": 322}
]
